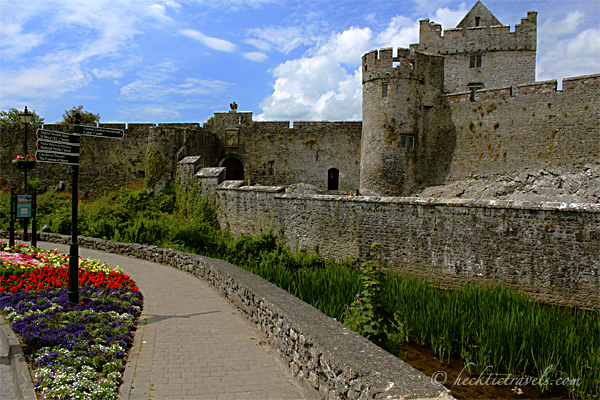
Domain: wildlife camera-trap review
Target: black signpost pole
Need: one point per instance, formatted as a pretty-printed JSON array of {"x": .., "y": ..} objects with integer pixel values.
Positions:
[
  {"x": 34, "y": 219},
  {"x": 11, "y": 228},
  {"x": 73, "y": 286}
]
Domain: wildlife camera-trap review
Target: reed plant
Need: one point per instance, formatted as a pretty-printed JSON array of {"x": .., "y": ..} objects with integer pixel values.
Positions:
[{"x": 501, "y": 331}]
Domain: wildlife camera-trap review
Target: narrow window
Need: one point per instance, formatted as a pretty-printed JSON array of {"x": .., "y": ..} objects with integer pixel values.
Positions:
[
  {"x": 366, "y": 68},
  {"x": 477, "y": 21},
  {"x": 384, "y": 91},
  {"x": 270, "y": 170},
  {"x": 407, "y": 142},
  {"x": 476, "y": 61},
  {"x": 240, "y": 120},
  {"x": 474, "y": 87}
]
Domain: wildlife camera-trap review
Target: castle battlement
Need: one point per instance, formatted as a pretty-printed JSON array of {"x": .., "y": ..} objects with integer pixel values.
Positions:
[
  {"x": 408, "y": 64},
  {"x": 467, "y": 40},
  {"x": 582, "y": 83}
]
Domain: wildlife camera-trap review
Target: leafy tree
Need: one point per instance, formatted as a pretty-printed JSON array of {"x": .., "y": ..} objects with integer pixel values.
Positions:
[
  {"x": 87, "y": 117},
  {"x": 11, "y": 117}
]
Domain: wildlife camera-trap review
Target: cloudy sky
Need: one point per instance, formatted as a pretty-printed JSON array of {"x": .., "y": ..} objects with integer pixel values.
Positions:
[{"x": 181, "y": 60}]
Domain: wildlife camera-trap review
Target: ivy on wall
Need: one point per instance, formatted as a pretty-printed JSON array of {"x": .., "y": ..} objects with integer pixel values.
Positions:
[{"x": 155, "y": 167}]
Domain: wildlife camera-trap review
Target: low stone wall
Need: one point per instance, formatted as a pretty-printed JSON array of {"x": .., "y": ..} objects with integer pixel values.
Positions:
[
  {"x": 335, "y": 360},
  {"x": 551, "y": 251}
]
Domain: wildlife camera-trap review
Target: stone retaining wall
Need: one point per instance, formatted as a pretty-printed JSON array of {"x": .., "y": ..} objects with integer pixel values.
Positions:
[
  {"x": 335, "y": 360},
  {"x": 551, "y": 251}
]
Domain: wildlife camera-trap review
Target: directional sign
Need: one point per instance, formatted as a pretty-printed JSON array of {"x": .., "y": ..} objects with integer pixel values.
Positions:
[
  {"x": 99, "y": 132},
  {"x": 55, "y": 147},
  {"x": 57, "y": 158},
  {"x": 53, "y": 136}
]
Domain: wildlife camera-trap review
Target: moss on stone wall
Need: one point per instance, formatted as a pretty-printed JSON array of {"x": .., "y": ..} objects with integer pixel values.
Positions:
[{"x": 155, "y": 167}]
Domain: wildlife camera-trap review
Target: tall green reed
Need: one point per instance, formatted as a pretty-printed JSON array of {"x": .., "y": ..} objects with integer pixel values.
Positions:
[{"x": 500, "y": 330}]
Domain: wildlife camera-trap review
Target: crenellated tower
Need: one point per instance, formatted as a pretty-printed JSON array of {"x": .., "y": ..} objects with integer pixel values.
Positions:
[
  {"x": 482, "y": 53},
  {"x": 401, "y": 102}
]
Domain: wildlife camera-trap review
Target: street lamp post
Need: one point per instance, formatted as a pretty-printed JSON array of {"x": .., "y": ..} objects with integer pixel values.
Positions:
[{"x": 25, "y": 119}]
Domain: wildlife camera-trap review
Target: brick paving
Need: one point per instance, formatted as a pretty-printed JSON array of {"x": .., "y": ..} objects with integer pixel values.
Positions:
[{"x": 192, "y": 343}]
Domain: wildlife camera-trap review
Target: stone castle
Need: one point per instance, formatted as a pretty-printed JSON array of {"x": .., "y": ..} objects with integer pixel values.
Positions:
[{"x": 514, "y": 165}]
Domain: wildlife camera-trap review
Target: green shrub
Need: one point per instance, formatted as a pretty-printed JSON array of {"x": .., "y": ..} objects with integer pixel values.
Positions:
[{"x": 371, "y": 314}]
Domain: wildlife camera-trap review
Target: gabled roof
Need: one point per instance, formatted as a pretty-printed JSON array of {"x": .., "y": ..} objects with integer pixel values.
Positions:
[{"x": 486, "y": 18}]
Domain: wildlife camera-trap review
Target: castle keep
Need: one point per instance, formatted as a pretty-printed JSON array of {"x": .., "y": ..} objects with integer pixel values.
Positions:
[
  {"x": 458, "y": 112},
  {"x": 481, "y": 52}
]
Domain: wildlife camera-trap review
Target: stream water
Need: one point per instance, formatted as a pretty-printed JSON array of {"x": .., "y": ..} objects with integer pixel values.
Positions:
[{"x": 462, "y": 385}]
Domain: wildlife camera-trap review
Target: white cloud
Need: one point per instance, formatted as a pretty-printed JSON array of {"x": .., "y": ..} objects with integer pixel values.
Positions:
[
  {"x": 448, "y": 18},
  {"x": 563, "y": 53},
  {"x": 318, "y": 87},
  {"x": 282, "y": 39},
  {"x": 213, "y": 43},
  {"x": 256, "y": 56},
  {"x": 571, "y": 23},
  {"x": 43, "y": 81},
  {"x": 73, "y": 36},
  {"x": 347, "y": 47},
  {"x": 401, "y": 32},
  {"x": 158, "y": 83},
  {"x": 16, "y": 43},
  {"x": 107, "y": 73},
  {"x": 159, "y": 12}
]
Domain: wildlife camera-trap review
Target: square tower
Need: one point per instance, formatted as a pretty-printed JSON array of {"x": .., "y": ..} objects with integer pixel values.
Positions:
[{"x": 481, "y": 52}]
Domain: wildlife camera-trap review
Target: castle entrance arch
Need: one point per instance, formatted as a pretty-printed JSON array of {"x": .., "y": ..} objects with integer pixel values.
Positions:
[
  {"x": 333, "y": 179},
  {"x": 234, "y": 169}
]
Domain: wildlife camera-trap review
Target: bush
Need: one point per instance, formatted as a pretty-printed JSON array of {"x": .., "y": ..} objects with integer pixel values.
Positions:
[{"x": 371, "y": 314}]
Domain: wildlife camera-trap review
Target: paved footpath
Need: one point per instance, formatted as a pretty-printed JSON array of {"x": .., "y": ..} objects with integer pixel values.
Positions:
[
  {"x": 7, "y": 391},
  {"x": 192, "y": 343}
]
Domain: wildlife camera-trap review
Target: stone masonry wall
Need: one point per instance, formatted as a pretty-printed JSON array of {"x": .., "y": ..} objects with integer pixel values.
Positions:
[
  {"x": 104, "y": 163},
  {"x": 534, "y": 126},
  {"x": 549, "y": 250},
  {"x": 273, "y": 153},
  {"x": 332, "y": 358}
]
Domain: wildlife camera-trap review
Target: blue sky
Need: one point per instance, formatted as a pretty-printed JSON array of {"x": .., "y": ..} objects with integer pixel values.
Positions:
[{"x": 181, "y": 60}]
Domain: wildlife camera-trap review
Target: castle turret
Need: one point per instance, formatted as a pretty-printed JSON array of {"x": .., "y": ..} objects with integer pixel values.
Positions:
[{"x": 401, "y": 97}]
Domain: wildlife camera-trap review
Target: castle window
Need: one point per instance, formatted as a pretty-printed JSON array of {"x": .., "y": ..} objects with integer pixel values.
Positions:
[
  {"x": 407, "y": 142},
  {"x": 473, "y": 87},
  {"x": 384, "y": 91},
  {"x": 477, "y": 21},
  {"x": 270, "y": 170},
  {"x": 476, "y": 61}
]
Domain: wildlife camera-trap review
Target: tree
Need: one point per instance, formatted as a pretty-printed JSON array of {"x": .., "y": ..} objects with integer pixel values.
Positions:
[
  {"x": 87, "y": 117},
  {"x": 11, "y": 117}
]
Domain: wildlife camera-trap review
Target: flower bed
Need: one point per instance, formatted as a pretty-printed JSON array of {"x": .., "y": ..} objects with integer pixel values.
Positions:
[{"x": 74, "y": 350}]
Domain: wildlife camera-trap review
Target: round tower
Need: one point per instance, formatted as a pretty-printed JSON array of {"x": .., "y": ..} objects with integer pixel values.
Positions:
[{"x": 400, "y": 95}]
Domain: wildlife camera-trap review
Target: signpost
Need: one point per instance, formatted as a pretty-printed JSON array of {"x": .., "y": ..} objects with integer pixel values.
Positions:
[
  {"x": 87, "y": 130},
  {"x": 64, "y": 148},
  {"x": 55, "y": 147},
  {"x": 57, "y": 158},
  {"x": 54, "y": 136}
]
